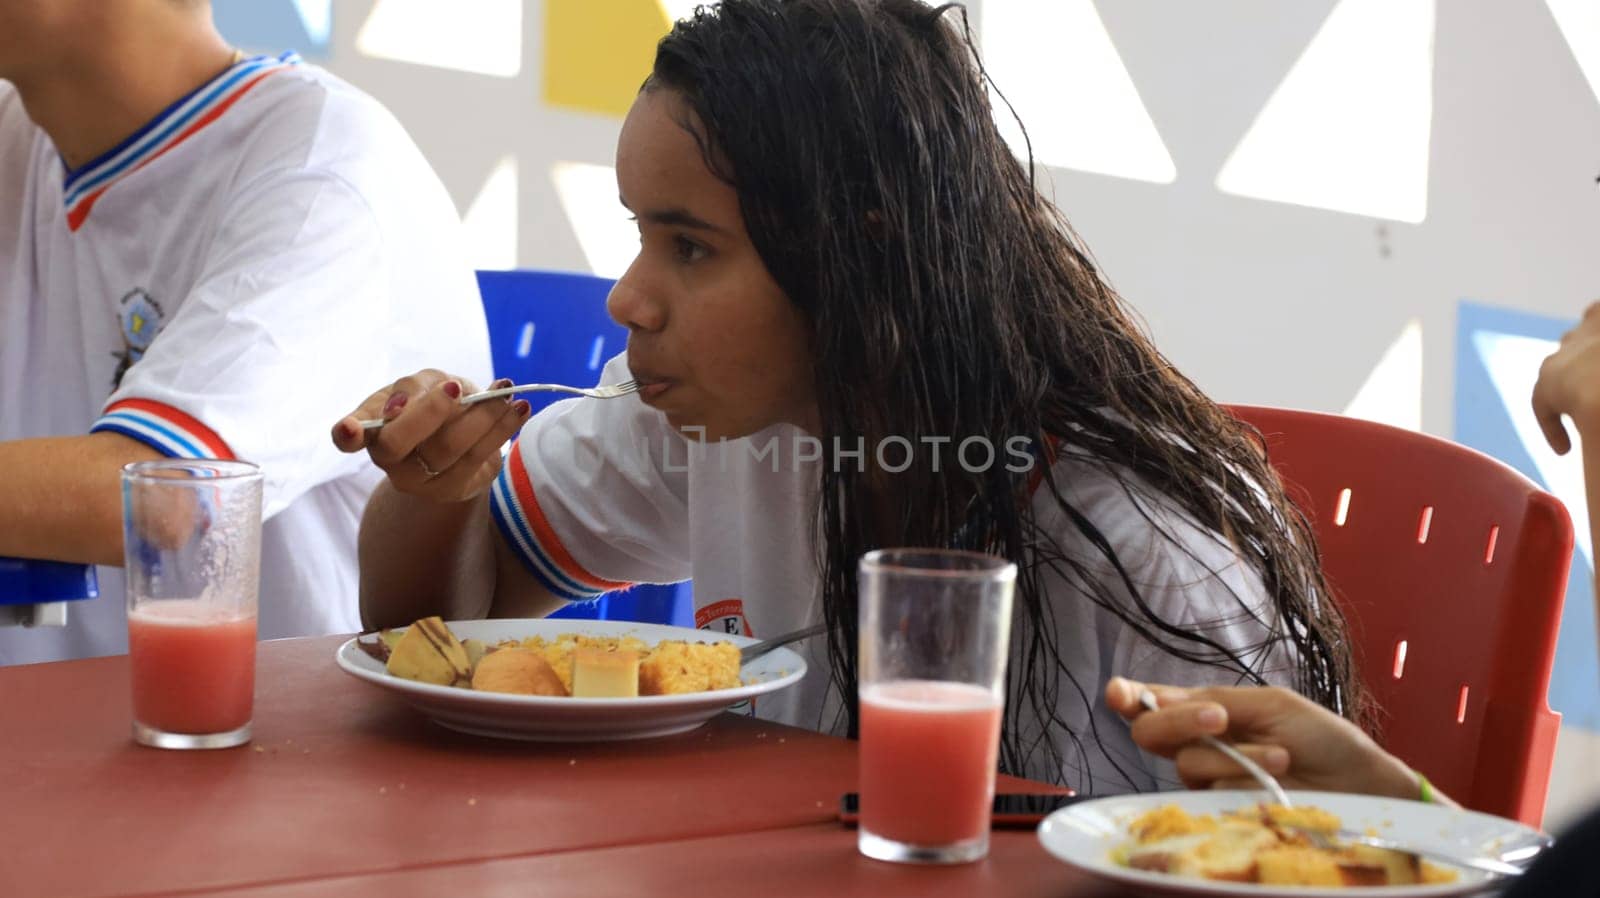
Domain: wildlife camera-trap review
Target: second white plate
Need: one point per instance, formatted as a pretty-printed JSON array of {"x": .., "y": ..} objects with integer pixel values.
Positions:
[{"x": 1084, "y": 835}]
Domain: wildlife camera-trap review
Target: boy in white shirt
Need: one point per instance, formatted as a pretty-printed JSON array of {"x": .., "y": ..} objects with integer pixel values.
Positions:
[{"x": 200, "y": 255}]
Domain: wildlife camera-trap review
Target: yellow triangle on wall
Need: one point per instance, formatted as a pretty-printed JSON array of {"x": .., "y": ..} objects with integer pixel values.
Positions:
[{"x": 597, "y": 54}]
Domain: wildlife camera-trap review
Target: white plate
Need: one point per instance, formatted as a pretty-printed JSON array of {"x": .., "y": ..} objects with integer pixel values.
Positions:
[
  {"x": 554, "y": 719},
  {"x": 1084, "y": 835}
]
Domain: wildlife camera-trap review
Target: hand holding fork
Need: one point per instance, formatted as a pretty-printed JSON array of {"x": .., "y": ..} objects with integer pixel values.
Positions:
[
  {"x": 610, "y": 391},
  {"x": 439, "y": 438}
]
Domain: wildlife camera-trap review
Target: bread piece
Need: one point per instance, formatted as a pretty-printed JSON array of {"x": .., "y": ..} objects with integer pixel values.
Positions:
[
  {"x": 1227, "y": 853},
  {"x": 518, "y": 671},
  {"x": 675, "y": 667},
  {"x": 1297, "y": 866},
  {"x": 1158, "y": 856},
  {"x": 1393, "y": 867}
]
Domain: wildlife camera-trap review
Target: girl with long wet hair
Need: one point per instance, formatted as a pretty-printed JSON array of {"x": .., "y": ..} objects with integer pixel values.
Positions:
[{"x": 838, "y": 250}]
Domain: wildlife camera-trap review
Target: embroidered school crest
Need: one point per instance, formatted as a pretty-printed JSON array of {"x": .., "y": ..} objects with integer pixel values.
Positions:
[
  {"x": 141, "y": 319},
  {"x": 727, "y": 616}
]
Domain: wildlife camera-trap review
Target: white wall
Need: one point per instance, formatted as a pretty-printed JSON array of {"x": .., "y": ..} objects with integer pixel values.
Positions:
[{"x": 1259, "y": 301}]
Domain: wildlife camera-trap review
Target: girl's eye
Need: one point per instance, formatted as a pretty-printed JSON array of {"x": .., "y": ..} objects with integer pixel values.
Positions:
[{"x": 689, "y": 251}]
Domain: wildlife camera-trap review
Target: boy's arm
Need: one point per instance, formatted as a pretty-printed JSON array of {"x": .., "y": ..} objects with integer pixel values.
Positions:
[{"x": 61, "y": 497}]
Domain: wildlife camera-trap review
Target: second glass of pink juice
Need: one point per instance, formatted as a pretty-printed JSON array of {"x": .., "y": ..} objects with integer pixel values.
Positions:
[
  {"x": 192, "y": 540},
  {"x": 934, "y": 633}
]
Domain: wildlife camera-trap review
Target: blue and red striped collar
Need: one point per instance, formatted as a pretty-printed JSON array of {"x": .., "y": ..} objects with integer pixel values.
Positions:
[{"x": 173, "y": 126}]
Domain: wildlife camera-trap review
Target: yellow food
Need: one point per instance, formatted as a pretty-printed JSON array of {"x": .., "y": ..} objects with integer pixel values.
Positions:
[
  {"x": 675, "y": 667},
  {"x": 559, "y": 650},
  {"x": 518, "y": 671},
  {"x": 1294, "y": 865},
  {"x": 428, "y": 652},
  {"x": 617, "y": 667},
  {"x": 1168, "y": 821},
  {"x": 598, "y": 673},
  {"x": 1265, "y": 844}
]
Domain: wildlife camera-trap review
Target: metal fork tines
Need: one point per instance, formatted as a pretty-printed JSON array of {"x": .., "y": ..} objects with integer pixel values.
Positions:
[
  {"x": 610, "y": 391},
  {"x": 1499, "y": 866}
]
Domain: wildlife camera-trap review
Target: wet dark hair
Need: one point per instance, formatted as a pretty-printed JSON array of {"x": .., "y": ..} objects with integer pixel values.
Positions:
[{"x": 948, "y": 298}]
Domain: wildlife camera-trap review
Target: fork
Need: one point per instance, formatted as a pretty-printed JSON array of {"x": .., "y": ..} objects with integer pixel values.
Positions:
[
  {"x": 1148, "y": 700},
  {"x": 1500, "y": 866},
  {"x": 755, "y": 650},
  {"x": 1322, "y": 840},
  {"x": 611, "y": 391}
]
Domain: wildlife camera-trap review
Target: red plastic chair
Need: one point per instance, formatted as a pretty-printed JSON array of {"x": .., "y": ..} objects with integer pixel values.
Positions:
[{"x": 1452, "y": 569}]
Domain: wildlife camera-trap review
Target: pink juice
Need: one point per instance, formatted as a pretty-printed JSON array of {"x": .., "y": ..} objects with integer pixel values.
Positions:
[
  {"x": 194, "y": 667},
  {"x": 928, "y": 756}
]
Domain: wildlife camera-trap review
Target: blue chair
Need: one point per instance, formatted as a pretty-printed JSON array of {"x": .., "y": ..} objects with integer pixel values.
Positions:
[
  {"x": 552, "y": 327},
  {"x": 34, "y": 592}
]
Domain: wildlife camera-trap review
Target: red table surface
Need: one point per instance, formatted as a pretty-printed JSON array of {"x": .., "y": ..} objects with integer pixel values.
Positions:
[
  {"x": 343, "y": 779},
  {"x": 820, "y": 859}
]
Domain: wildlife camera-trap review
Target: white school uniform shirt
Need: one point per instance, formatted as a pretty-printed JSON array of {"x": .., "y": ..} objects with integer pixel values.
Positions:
[
  {"x": 598, "y": 495},
  {"x": 227, "y": 283}
]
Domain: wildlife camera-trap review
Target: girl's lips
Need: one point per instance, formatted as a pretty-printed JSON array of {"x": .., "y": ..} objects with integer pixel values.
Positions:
[{"x": 654, "y": 389}]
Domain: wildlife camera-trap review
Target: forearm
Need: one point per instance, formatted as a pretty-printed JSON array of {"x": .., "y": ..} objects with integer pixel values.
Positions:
[
  {"x": 61, "y": 497},
  {"x": 420, "y": 558}
]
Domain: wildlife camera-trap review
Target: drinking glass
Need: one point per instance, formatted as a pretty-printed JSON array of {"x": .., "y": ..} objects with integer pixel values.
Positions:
[
  {"x": 934, "y": 631},
  {"x": 192, "y": 546}
]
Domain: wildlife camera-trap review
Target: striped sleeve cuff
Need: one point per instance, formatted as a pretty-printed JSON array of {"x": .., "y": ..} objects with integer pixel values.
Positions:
[
  {"x": 162, "y": 428},
  {"x": 523, "y": 525}
]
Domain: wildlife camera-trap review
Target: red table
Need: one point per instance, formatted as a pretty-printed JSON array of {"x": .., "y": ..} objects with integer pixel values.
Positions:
[{"x": 347, "y": 791}]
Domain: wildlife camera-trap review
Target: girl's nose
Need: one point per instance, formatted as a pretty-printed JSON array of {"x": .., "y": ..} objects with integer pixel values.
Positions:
[{"x": 632, "y": 306}]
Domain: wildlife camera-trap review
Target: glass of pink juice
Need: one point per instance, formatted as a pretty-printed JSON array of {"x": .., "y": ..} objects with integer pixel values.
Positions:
[
  {"x": 192, "y": 546},
  {"x": 934, "y": 633}
]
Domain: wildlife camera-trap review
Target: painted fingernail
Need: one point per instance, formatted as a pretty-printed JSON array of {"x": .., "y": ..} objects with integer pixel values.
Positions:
[
  {"x": 1210, "y": 717},
  {"x": 500, "y": 384},
  {"x": 394, "y": 405},
  {"x": 523, "y": 408},
  {"x": 452, "y": 389},
  {"x": 349, "y": 428}
]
